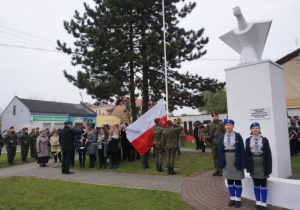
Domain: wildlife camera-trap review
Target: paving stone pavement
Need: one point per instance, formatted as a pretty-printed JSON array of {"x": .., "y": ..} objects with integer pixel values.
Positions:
[
  {"x": 205, "y": 191},
  {"x": 142, "y": 181}
]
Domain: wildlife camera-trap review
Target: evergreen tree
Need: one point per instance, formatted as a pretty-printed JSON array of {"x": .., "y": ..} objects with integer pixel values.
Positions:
[
  {"x": 215, "y": 102},
  {"x": 119, "y": 47}
]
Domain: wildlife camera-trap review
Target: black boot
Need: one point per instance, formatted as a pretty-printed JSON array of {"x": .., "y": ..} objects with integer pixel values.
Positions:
[
  {"x": 83, "y": 161},
  {"x": 169, "y": 171},
  {"x": 100, "y": 163},
  {"x": 147, "y": 165},
  {"x": 105, "y": 161},
  {"x": 157, "y": 167},
  {"x": 160, "y": 168},
  {"x": 173, "y": 172},
  {"x": 144, "y": 166}
]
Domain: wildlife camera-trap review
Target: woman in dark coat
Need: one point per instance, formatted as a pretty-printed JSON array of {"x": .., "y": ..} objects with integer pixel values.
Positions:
[
  {"x": 231, "y": 158},
  {"x": 259, "y": 164},
  {"x": 42, "y": 148},
  {"x": 91, "y": 144},
  {"x": 102, "y": 148},
  {"x": 81, "y": 147},
  {"x": 113, "y": 147}
]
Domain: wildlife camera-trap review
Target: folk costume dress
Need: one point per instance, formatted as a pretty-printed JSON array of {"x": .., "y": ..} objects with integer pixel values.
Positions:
[
  {"x": 231, "y": 159},
  {"x": 259, "y": 165}
]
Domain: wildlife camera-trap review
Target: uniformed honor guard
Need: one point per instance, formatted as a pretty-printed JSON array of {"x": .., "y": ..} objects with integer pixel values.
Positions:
[
  {"x": 25, "y": 142},
  {"x": 33, "y": 138},
  {"x": 169, "y": 137},
  {"x": 212, "y": 134},
  {"x": 11, "y": 145},
  {"x": 158, "y": 146},
  {"x": 31, "y": 146},
  {"x": 259, "y": 164},
  {"x": 232, "y": 159},
  {"x": 1, "y": 142}
]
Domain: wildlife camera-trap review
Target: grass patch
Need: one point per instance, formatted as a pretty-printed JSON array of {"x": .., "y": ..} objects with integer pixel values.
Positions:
[
  {"x": 189, "y": 163},
  {"x": 189, "y": 145},
  {"x": 295, "y": 161},
  {"x": 17, "y": 160},
  {"x": 35, "y": 193}
]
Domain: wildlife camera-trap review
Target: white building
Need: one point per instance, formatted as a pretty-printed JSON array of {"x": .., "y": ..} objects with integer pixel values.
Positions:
[{"x": 44, "y": 114}]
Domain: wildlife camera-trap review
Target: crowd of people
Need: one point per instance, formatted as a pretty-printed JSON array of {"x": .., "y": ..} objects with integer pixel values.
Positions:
[{"x": 105, "y": 143}]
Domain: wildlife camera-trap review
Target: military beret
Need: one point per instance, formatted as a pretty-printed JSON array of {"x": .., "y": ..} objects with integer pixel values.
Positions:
[
  {"x": 11, "y": 127},
  {"x": 24, "y": 129},
  {"x": 229, "y": 121},
  {"x": 46, "y": 129},
  {"x": 32, "y": 129},
  {"x": 156, "y": 120},
  {"x": 37, "y": 128},
  {"x": 169, "y": 122},
  {"x": 254, "y": 124},
  {"x": 67, "y": 123},
  {"x": 214, "y": 113}
]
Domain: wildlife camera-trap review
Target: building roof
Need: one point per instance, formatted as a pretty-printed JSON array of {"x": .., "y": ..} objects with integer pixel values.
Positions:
[
  {"x": 39, "y": 106},
  {"x": 288, "y": 57}
]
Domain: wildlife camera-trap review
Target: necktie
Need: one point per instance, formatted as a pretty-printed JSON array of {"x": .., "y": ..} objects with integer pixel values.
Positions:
[
  {"x": 256, "y": 146},
  {"x": 228, "y": 141}
]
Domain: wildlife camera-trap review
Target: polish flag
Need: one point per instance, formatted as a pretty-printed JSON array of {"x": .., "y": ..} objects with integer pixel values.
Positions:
[{"x": 140, "y": 133}]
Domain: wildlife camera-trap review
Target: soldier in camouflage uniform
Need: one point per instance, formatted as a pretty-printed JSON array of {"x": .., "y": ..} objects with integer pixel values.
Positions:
[
  {"x": 33, "y": 138},
  {"x": 11, "y": 145},
  {"x": 31, "y": 146},
  {"x": 169, "y": 138},
  {"x": 158, "y": 147},
  {"x": 145, "y": 159},
  {"x": 25, "y": 142},
  {"x": 219, "y": 129},
  {"x": 1, "y": 142}
]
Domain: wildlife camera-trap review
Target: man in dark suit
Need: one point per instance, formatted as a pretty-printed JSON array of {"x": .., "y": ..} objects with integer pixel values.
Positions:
[{"x": 67, "y": 143}]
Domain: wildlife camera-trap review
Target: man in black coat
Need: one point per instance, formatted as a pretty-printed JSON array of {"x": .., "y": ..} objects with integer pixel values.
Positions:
[{"x": 67, "y": 144}]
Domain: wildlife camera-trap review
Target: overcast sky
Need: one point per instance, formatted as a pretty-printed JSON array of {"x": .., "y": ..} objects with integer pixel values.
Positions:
[{"x": 37, "y": 74}]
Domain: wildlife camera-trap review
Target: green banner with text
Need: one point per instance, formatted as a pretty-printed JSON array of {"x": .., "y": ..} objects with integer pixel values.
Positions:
[{"x": 49, "y": 118}]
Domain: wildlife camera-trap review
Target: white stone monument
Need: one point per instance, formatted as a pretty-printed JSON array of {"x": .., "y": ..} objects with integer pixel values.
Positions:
[{"x": 255, "y": 93}]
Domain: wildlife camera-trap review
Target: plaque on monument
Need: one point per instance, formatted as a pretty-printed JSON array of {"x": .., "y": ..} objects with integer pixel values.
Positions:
[{"x": 260, "y": 114}]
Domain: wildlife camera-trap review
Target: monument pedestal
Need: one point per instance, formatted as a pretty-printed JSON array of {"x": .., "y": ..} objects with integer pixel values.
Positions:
[{"x": 255, "y": 93}]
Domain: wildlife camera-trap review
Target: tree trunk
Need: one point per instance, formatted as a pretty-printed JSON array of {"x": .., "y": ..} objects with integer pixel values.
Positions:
[{"x": 132, "y": 86}]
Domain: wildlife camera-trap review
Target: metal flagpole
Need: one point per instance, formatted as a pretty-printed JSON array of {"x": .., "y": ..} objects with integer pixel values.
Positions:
[{"x": 165, "y": 58}]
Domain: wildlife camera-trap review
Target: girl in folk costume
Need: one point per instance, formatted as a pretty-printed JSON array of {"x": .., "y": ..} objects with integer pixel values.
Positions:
[
  {"x": 231, "y": 158},
  {"x": 102, "y": 148},
  {"x": 259, "y": 164},
  {"x": 113, "y": 147}
]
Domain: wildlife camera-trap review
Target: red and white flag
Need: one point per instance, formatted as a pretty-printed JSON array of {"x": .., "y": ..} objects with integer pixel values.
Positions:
[{"x": 140, "y": 133}]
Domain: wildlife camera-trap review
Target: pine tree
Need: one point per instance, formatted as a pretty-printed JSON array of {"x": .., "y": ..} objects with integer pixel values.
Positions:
[{"x": 119, "y": 46}]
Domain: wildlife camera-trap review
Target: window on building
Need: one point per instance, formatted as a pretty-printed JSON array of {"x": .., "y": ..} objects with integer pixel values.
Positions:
[{"x": 15, "y": 110}]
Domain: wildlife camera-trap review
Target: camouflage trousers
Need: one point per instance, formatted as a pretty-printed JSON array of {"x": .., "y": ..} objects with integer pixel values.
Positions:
[
  {"x": 159, "y": 156},
  {"x": 24, "y": 152},
  {"x": 170, "y": 155},
  {"x": 11, "y": 153},
  {"x": 214, "y": 150},
  {"x": 145, "y": 157},
  {"x": 33, "y": 150}
]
